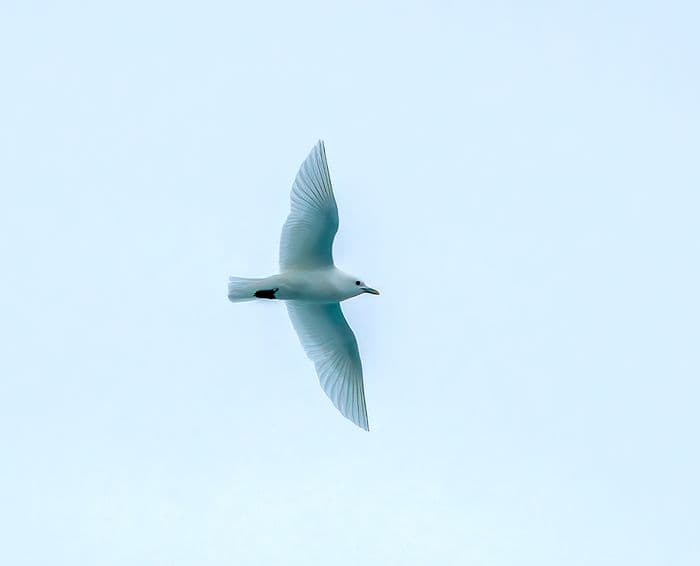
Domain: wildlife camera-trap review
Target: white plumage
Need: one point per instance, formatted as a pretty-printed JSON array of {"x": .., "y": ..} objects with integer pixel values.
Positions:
[{"x": 313, "y": 287}]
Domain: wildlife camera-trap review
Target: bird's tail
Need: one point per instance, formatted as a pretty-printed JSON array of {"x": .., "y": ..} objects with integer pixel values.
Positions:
[{"x": 242, "y": 289}]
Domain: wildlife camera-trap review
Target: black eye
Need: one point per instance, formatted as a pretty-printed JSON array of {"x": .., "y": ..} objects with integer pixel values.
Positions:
[{"x": 357, "y": 282}]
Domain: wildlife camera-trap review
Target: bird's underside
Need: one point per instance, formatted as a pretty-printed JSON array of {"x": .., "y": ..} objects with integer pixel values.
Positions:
[
  {"x": 313, "y": 287},
  {"x": 325, "y": 285}
]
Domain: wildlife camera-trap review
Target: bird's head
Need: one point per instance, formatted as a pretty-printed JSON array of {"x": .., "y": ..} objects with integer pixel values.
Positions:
[{"x": 357, "y": 286}]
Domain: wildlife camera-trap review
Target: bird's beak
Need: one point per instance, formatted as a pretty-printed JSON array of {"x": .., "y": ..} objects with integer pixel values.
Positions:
[{"x": 370, "y": 290}]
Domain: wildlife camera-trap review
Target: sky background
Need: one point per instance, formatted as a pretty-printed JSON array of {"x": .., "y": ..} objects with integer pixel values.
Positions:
[{"x": 520, "y": 180}]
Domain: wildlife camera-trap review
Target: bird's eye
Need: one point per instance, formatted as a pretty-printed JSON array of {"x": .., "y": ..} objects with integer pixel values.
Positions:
[{"x": 357, "y": 282}]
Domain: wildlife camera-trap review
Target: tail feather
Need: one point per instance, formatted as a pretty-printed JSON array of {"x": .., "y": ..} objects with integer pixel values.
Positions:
[{"x": 242, "y": 289}]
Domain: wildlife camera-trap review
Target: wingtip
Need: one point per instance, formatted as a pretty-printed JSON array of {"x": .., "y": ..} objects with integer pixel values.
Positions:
[{"x": 361, "y": 423}]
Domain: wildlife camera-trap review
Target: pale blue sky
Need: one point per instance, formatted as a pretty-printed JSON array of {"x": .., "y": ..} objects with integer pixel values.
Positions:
[{"x": 519, "y": 179}]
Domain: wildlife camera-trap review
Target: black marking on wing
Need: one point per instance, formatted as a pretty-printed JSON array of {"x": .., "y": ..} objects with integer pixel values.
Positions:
[{"x": 267, "y": 293}]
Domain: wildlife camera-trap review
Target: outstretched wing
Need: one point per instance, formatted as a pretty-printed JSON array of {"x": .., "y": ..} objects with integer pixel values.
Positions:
[
  {"x": 307, "y": 235},
  {"x": 330, "y": 344}
]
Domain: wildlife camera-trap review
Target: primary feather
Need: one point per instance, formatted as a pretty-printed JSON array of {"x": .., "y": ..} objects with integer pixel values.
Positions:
[
  {"x": 330, "y": 343},
  {"x": 307, "y": 235}
]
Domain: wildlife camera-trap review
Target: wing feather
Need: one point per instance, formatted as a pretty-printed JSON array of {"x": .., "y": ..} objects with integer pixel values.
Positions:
[
  {"x": 330, "y": 343},
  {"x": 308, "y": 233}
]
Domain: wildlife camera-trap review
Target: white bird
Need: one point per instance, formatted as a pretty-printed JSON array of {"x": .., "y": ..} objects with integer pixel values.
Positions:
[{"x": 313, "y": 287}]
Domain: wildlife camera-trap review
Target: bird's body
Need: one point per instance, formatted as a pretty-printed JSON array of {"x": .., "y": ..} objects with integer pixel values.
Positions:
[
  {"x": 324, "y": 285},
  {"x": 313, "y": 287}
]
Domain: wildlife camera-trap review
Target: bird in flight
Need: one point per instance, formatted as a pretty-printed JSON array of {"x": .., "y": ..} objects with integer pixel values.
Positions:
[{"x": 313, "y": 287}]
